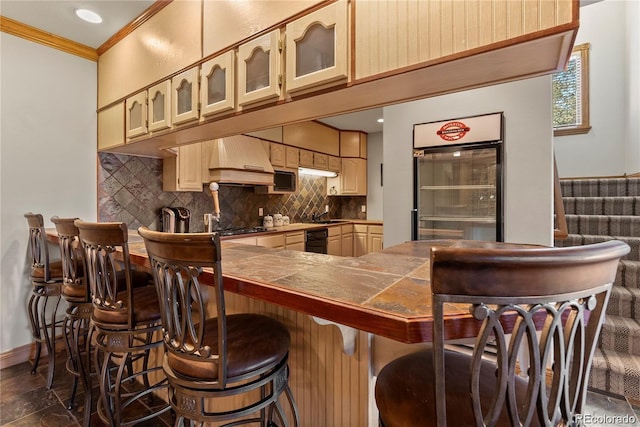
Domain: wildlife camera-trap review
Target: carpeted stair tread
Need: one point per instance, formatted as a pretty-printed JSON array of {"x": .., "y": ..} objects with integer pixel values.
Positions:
[
  {"x": 623, "y": 205},
  {"x": 624, "y": 302},
  {"x": 620, "y": 334},
  {"x": 616, "y": 372},
  {"x": 612, "y": 187},
  {"x": 585, "y": 239}
]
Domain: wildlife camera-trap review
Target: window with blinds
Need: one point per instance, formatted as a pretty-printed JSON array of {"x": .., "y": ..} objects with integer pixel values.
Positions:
[{"x": 571, "y": 94}]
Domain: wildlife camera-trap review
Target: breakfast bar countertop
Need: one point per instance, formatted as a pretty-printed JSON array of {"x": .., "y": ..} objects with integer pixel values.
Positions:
[{"x": 385, "y": 293}]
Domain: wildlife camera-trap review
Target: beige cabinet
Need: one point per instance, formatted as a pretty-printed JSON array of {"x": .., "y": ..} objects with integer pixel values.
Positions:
[
  {"x": 292, "y": 157},
  {"x": 334, "y": 164},
  {"x": 317, "y": 45},
  {"x": 359, "y": 240},
  {"x": 259, "y": 74},
  {"x": 136, "y": 115},
  {"x": 184, "y": 96},
  {"x": 352, "y": 180},
  {"x": 278, "y": 154},
  {"x": 374, "y": 238},
  {"x": 313, "y": 136},
  {"x": 111, "y": 127},
  {"x": 183, "y": 172},
  {"x": 306, "y": 159},
  {"x": 334, "y": 242},
  {"x": 217, "y": 84},
  {"x": 321, "y": 161},
  {"x": 346, "y": 238},
  {"x": 353, "y": 144},
  {"x": 274, "y": 241},
  {"x": 294, "y": 241},
  {"x": 159, "y": 106}
]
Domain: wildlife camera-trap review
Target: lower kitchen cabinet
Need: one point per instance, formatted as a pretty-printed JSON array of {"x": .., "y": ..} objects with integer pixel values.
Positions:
[
  {"x": 359, "y": 240},
  {"x": 346, "y": 240},
  {"x": 274, "y": 242},
  {"x": 294, "y": 241},
  {"x": 374, "y": 238},
  {"x": 334, "y": 241}
]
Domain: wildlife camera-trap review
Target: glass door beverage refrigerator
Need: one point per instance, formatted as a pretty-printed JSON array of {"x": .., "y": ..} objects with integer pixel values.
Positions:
[{"x": 458, "y": 179}]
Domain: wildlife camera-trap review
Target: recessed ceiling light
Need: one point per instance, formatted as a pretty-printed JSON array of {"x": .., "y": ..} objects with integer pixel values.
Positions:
[
  {"x": 88, "y": 16},
  {"x": 380, "y": 120}
]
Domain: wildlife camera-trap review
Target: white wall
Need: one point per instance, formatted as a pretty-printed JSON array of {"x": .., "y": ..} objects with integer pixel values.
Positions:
[
  {"x": 374, "y": 189},
  {"x": 528, "y": 184},
  {"x": 612, "y": 147},
  {"x": 47, "y": 157}
]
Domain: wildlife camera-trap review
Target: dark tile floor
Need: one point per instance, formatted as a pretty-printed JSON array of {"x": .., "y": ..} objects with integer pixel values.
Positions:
[{"x": 25, "y": 401}]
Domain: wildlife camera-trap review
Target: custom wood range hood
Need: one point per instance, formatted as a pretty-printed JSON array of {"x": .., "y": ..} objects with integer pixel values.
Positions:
[{"x": 237, "y": 160}]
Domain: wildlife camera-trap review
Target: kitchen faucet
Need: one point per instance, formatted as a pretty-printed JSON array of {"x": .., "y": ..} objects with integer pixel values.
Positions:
[
  {"x": 212, "y": 220},
  {"x": 316, "y": 217}
]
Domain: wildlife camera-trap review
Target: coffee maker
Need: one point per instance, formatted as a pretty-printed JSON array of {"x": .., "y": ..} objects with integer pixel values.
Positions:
[{"x": 175, "y": 220}]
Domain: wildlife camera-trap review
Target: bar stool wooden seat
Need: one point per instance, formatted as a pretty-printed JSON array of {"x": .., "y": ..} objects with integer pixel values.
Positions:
[
  {"x": 539, "y": 310},
  {"x": 44, "y": 302},
  {"x": 225, "y": 368},
  {"x": 125, "y": 324}
]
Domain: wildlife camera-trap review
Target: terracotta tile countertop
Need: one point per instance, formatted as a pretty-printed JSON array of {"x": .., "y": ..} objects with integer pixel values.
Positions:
[{"x": 386, "y": 293}]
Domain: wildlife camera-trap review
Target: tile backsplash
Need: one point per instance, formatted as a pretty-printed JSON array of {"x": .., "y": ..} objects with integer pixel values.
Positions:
[{"x": 130, "y": 191}]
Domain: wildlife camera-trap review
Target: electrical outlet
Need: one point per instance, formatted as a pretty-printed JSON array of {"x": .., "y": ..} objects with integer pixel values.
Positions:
[
  {"x": 363, "y": 208},
  {"x": 326, "y": 208},
  {"x": 260, "y": 212}
]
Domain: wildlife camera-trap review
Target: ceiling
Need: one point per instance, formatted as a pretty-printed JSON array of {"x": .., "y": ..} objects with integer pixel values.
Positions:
[{"x": 57, "y": 17}]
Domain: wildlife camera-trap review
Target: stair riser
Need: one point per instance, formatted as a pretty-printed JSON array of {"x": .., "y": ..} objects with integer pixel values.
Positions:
[
  {"x": 624, "y": 305},
  {"x": 628, "y": 275},
  {"x": 601, "y": 188},
  {"x": 603, "y": 225},
  {"x": 602, "y": 206},
  {"x": 615, "y": 383}
]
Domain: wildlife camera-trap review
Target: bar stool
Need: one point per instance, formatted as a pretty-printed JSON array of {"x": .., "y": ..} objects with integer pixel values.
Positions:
[
  {"x": 546, "y": 303},
  {"x": 243, "y": 355},
  {"x": 126, "y": 325},
  {"x": 78, "y": 313},
  {"x": 46, "y": 278}
]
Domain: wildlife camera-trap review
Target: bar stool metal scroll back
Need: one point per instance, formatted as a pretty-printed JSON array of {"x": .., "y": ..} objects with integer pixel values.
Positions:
[
  {"x": 46, "y": 278},
  {"x": 126, "y": 325},
  {"x": 225, "y": 368}
]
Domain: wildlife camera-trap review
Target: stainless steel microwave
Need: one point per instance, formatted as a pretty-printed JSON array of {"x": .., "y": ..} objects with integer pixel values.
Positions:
[{"x": 285, "y": 180}]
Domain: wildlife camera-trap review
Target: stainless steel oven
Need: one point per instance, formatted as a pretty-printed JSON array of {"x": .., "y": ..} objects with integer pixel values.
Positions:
[{"x": 316, "y": 241}]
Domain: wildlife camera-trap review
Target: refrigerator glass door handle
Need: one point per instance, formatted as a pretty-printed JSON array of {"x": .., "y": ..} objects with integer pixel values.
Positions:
[{"x": 414, "y": 224}]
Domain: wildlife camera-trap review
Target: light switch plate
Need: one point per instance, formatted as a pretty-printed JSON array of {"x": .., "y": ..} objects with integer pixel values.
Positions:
[{"x": 260, "y": 212}]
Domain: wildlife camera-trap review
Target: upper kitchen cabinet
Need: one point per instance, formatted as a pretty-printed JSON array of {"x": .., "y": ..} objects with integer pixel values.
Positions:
[
  {"x": 159, "y": 106},
  {"x": 352, "y": 180},
  {"x": 313, "y": 136},
  {"x": 392, "y": 35},
  {"x": 353, "y": 144},
  {"x": 259, "y": 75},
  {"x": 184, "y": 96},
  {"x": 183, "y": 170},
  {"x": 111, "y": 127},
  {"x": 136, "y": 115},
  {"x": 171, "y": 40},
  {"x": 242, "y": 20},
  {"x": 217, "y": 78},
  {"x": 317, "y": 54}
]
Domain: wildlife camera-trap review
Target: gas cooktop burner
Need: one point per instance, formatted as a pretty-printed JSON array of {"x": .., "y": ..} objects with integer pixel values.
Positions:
[{"x": 236, "y": 231}]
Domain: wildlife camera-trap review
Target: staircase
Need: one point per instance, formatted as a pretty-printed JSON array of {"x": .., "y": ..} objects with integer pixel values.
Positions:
[{"x": 598, "y": 210}]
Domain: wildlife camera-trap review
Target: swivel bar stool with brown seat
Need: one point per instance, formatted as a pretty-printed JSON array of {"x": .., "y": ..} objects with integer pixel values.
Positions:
[
  {"x": 209, "y": 360},
  {"x": 46, "y": 278},
  {"x": 76, "y": 324},
  {"x": 126, "y": 325},
  {"x": 562, "y": 292}
]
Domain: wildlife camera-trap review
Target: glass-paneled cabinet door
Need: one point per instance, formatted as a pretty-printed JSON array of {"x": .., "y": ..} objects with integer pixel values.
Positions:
[
  {"x": 136, "y": 115},
  {"x": 159, "y": 97},
  {"x": 184, "y": 96},
  {"x": 317, "y": 48},
  {"x": 259, "y": 69},
  {"x": 216, "y": 84}
]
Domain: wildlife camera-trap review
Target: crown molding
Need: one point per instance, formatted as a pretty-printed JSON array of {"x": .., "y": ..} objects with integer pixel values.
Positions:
[{"x": 27, "y": 32}]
